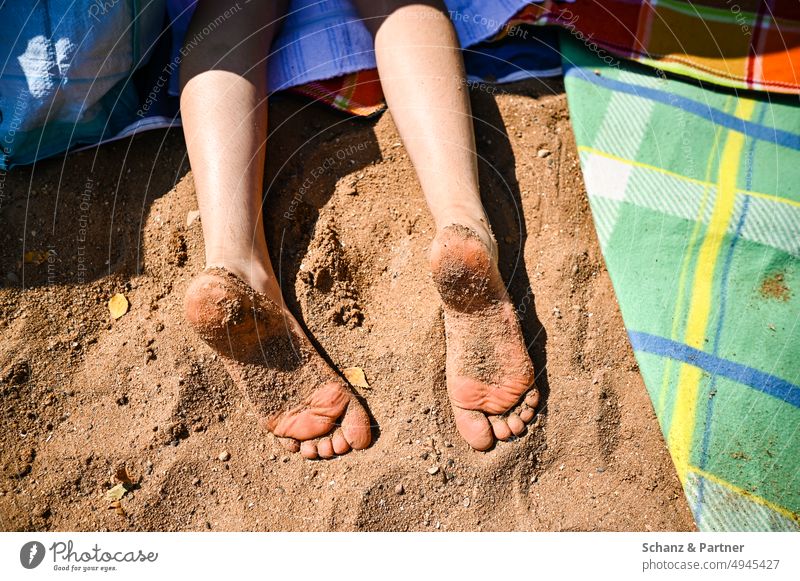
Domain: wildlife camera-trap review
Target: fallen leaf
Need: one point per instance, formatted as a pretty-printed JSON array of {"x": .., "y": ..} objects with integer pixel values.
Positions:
[
  {"x": 122, "y": 475},
  {"x": 116, "y": 493},
  {"x": 356, "y": 377},
  {"x": 118, "y": 305},
  {"x": 35, "y": 257}
]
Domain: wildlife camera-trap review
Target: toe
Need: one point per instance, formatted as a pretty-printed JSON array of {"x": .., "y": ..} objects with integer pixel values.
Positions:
[
  {"x": 309, "y": 450},
  {"x": 290, "y": 444},
  {"x": 526, "y": 415},
  {"x": 340, "y": 445},
  {"x": 532, "y": 399},
  {"x": 500, "y": 428},
  {"x": 325, "y": 448},
  {"x": 516, "y": 424},
  {"x": 356, "y": 426},
  {"x": 474, "y": 428}
]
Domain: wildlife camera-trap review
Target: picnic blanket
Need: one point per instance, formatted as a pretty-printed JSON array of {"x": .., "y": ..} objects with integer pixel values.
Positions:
[
  {"x": 746, "y": 44},
  {"x": 695, "y": 195}
]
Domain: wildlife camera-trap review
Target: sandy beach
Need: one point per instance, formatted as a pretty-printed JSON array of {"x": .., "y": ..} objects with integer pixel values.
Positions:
[{"x": 84, "y": 394}]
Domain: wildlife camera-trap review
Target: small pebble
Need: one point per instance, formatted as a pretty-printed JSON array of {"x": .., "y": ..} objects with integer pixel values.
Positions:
[
  {"x": 542, "y": 153},
  {"x": 399, "y": 489},
  {"x": 273, "y": 457},
  {"x": 224, "y": 456},
  {"x": 191, "y": 216},
  {"x": 195, "y": 481},
  {"x": 466, "y": 502},
  {"x": 433, "y": 470}
]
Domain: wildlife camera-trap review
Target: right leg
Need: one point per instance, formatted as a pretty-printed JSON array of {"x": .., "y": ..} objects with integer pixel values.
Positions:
[
  {"x": 489, "y": 373},
  {"x": 236, "y": 304}
]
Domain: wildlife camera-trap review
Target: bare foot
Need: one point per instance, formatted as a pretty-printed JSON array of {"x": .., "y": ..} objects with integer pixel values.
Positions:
[
  {"x": 489, "y": 373},
  {"x": 299, "y": 397}
]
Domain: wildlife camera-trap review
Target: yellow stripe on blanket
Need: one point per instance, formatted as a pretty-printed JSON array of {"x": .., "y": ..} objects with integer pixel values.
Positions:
[
  {"x": 677, "y": 176},
  {"x": 750, "y": 495},
  {"x": 682, "y": 428},
  {"x": 687, "y": 259}
]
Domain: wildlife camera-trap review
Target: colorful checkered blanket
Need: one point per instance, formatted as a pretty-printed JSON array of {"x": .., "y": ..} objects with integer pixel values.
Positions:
[
  {"x": 745, "y": 44},
  {"x": 695, "y": 196}
]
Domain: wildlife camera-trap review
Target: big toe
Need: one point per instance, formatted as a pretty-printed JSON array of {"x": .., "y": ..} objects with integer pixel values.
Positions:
[
  {"x": 474, "y": 427},
  {"x": 356, "y": 427}
]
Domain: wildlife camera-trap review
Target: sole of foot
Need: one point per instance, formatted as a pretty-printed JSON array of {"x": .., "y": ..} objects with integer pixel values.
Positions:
[
  {"x": 490, "y": 376},
  {"x": 297, "y": 395}
]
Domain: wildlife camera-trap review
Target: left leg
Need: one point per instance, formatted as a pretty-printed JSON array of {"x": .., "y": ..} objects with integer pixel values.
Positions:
[{"x": 489, "y": 372}]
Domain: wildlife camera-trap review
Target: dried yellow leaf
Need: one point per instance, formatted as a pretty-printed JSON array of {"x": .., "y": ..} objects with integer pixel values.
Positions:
[
  {"x": 356, "y": 377},
  {"x": 35, "y": 257},
  {"x": 118, "y": 305},
  {"x": 116, "y": 493}
]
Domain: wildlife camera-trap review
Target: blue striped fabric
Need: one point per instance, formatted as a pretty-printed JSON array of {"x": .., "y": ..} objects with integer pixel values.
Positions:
[{"x": 64, "y": 70}]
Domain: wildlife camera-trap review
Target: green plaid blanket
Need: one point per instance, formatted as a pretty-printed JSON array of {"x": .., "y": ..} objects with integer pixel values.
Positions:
[{"x": 695, "y": 195}]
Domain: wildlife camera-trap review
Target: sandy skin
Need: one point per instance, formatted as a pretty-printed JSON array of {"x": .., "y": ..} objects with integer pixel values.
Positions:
[
  {"x": 489, "y": 373},
  {"x": 298, "y": 397}
]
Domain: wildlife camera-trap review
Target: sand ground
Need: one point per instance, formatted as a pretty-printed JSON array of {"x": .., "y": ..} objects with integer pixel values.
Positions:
[{"x": 83, "y": 394}]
